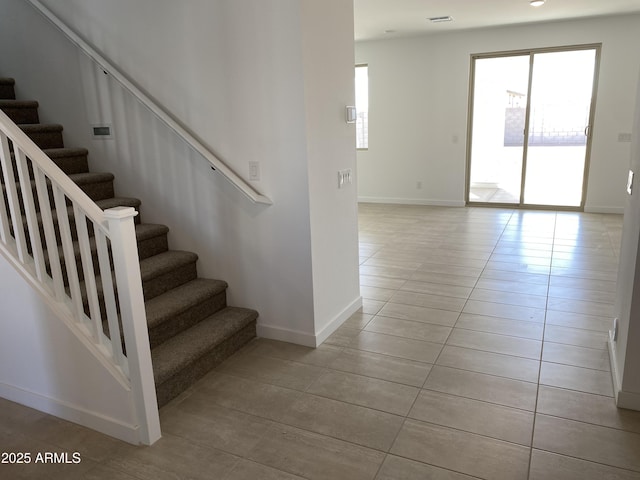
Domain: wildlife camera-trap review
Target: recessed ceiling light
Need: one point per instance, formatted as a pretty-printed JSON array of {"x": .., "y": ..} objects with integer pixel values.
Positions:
[
  {"x": 441, "y": 19},
  {"x": 536, "y": 3}
]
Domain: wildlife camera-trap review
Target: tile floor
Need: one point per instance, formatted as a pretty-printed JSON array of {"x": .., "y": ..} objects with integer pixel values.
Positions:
[{"x": 479, "y": 353}]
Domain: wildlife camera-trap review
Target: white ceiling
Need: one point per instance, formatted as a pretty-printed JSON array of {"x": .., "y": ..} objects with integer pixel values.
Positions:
[{"x": 410, "y": 17}]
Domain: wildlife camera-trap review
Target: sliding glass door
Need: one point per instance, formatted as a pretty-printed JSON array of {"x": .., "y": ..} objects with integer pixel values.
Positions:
[{"x": 530, "y": 127}]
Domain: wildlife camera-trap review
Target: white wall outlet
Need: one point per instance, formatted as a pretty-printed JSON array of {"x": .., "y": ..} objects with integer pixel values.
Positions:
[{"x": 254, "y": 171}]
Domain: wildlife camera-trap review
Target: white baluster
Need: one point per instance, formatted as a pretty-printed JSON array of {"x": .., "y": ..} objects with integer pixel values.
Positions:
[
  {"x": 12, "y": 197},
  {"x": 30, "y": 212},
  {"x": 89, "y": 275},
  {"x": 134, "y": 320},
  {"x": 69, "y": 256},
  {"x": 49, "y": 232},
  {"x": 109, "y": 297},
  {"x": 5, "y": 232}
]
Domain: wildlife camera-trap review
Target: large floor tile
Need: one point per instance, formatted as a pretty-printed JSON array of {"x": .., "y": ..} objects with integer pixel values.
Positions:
[
  {"x": 419, "y": 314},
  {"x": 546, "y": 465},
  {"x": 579, "y": 321},
  {"x": 488, "y": 362},
  {"x": 320, "y": 356},
  {"x": 576, "y": 378},
  {"x": 397, "y": 346},
  {"x": 316, "y": 457},
  {"x": 409, "y": 329},
  {"x": 539, "y": 279},
  {"x": 249, "y": 396},
  {"x": 604, "y": 445},
  {"x": 576, "y": 336},
  {"x": 512, "y": 286},
  {"x": 503, "y": 326},
  {"x": 514, "y": 312},
  {"x": 365, "y": 391},
  {"x": 173, "y": 457},
  {"x": 276, "y": 371},
  {"x": 478, "y": 386},
  {"x": 461, "y": 451},
  {"x": 474, "y": 416},
  {"x": 396, "y": 468},
  {"x": 429, "y": 301},
  {"x": 352, "y": 423},
  {"x": 246, "y": 469},
  {"x": 384, "y": 367},
  {"x": 214, "y": 426},
  {"x": 580, "y": 306},
  {"x": 441, "y": 289},
  {"x": 594, "y": 358},
  {"x": 586, "y": 407},
  {"x": 463, "y": 281},
  {"x": 491, "y": 342}
]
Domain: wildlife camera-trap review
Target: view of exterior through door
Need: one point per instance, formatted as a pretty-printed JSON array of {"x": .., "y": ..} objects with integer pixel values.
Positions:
[{"x": 530, "y": 127}]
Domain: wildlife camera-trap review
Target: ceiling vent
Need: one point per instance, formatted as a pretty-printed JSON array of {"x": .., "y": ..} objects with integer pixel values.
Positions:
[{"x": 441, "y": 19}]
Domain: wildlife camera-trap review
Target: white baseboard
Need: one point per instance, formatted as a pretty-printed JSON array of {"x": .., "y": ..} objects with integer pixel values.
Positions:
[
  {"x": 338, "y": 320},
  {"x": 286, "y": 335},
  {"x": 413, "y": 201},
  {"x": 601, "y": 209},
  {"x": 628, "y": 400},
  {"x": 308, "y": 339},
  {"x": 72, "y": 413}
]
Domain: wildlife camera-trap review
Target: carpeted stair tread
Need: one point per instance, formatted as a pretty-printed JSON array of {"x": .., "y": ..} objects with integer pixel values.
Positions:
[
  {"x": 11, "y": 103},
  {"x": 108, "y": 203},
  {"x": 164, "y": 263},
  {"x": 169, "y": 304},
  {"x": 178, "y": 353},
  {"x": 86, "y": 178}
]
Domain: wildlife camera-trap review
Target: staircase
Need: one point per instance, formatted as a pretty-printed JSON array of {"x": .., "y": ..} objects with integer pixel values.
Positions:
[{"x": 191, "y": 328}]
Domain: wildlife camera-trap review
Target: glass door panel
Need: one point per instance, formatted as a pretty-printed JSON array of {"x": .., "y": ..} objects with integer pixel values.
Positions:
[
  {"x": 561, "y": 95},
  {"x": 497, "y": 132}
]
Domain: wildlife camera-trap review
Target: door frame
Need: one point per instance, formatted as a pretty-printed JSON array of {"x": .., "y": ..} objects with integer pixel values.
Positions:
[{"x": 592, "y": 111}]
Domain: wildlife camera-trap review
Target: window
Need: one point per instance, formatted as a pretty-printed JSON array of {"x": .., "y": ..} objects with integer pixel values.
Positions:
[{"x": 362, "y": 106}]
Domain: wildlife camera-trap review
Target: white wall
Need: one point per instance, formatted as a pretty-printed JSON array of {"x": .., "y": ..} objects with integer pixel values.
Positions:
[
  {"x": 43, "y": 365},
  {"x": 234, "y": 73},
  {"x": 329, "y": 87},
  {"x": 419, "y": 88},
  {"x": 624, "y": 352}
]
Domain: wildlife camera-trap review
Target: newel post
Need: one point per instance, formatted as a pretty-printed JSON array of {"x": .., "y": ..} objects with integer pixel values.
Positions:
[{"x": 134, "y": 319}]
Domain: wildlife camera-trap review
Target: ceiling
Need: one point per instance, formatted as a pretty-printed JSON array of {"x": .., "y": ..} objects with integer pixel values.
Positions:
[{"x": 410, "y": 17}]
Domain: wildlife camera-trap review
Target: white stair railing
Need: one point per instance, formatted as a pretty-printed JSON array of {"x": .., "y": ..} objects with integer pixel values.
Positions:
[
  {"x": 44, "y": 220},
  {"x": 186, "y": 135}
]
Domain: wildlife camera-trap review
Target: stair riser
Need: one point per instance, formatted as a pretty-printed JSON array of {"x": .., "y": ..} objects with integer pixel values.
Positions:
[
  {"x": 163, "y": 283},
  {"x": 173, "y": 387},
  {"x": 187, "y": 319},
  {"x": 22, "y": 114},
  {"x": 7, "y": 92},
  {"x": 46, "y": 140}
]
